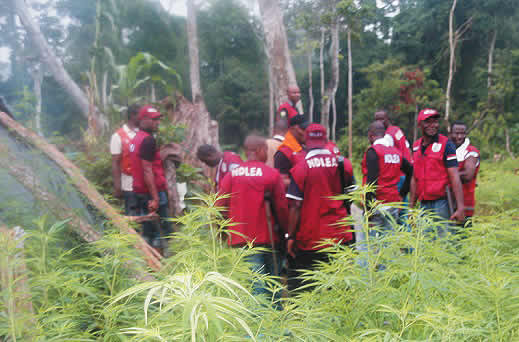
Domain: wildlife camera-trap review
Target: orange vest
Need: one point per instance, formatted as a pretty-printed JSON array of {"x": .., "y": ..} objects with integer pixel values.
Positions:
[{"x": 126, "y": 142}]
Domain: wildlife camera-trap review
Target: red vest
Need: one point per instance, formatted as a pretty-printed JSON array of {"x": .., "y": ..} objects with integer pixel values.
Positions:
[
  {"x": 389, "y": 164},
  {"x": 289, "y": 109},
  {"x": 429, "y": 171},
  {"x": 317, "y": 176},
  {"x": 332, "y": 147},
  {"x": 230, "y": 160},
  {"x": 139, "y": 186},
  {"x": 469, "y": 189},
  {"x": 126, "y": 163},
  {"x": 400, "y": 142}
]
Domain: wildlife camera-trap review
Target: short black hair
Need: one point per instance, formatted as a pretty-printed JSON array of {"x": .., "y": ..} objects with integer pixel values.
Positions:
[
  {"x": 459, "y": 123},
  {"x": 205, "y": 151},
  {"x": 133, "y": 110}
]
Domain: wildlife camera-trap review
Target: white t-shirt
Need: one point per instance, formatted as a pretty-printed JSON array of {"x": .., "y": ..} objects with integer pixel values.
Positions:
[{"x": 116, "y": 148}]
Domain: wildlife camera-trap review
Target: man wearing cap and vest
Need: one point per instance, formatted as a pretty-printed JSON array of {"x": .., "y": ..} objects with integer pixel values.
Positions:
[
  {"x": 468, "y": 164},
  {"x": 280, "y": 129},
  {"x": 313, "y": 214},
  {"x": 382, "y": 166},
  {"x": 291, "y": 151},
  {"x": 248, "y": 185},
  {"x": 224, "y": 162},
  {"x": 288, "y": 109},
  {"x": 435, "y": 173},
  {"x": 149, "y": 182},
  {"x": 120, "y": 144}
]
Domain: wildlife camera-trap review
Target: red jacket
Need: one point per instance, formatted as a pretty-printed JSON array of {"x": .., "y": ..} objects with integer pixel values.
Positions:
[
  {"x": 247, "y": 185},
  {"x": 229, "y": 161},
  {"x": 400, "y": 142},
  {"x": 469, "y": 189},
  {"x": 332, "y": 147},
  {"x": 389, "y": 168},
  {"x": 287, "y": 111},
  {"x": 429, "y": 171},
  {"x": 318, "y": 179},
  {"x": 139, "y": 186}
]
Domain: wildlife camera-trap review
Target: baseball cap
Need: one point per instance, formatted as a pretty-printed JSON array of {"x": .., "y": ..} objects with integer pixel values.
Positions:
[
  {"x": 315, "y": 136},
  {"x": 298, "y": 120},
  {"x": 148, "y": 112},
  {"x": 427, "y": 113}
]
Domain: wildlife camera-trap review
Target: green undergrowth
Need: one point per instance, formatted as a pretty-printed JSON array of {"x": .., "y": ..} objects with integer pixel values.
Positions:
[{"x": 460, "y": 288}]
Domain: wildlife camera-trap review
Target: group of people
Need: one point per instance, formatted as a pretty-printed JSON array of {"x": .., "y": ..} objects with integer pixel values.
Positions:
[{"x": 282, "y": 196}]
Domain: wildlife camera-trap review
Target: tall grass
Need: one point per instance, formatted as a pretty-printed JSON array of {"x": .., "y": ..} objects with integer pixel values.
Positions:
[{"x": 460, "y": 288}]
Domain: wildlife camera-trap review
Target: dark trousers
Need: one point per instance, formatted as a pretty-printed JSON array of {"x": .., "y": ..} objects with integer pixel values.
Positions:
[
  {"x": 304, "y": 260},
  {"x": 151, "y": 231},
  {"x": 130, "y": 203}
]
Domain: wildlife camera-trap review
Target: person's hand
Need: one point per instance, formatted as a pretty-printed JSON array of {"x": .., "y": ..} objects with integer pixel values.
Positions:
[
  {"x": 153, "y": 205},
  {"x": 291, "y": 247},
  {"x": 459, "y": 215},
  {"x": 117, "y": 193}
]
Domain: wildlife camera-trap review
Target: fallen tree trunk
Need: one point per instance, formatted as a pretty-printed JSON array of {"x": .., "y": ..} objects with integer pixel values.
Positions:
[{"x": 81, "y": 183}]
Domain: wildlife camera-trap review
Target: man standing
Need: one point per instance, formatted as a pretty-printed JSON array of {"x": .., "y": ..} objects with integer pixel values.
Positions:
[
  {"x": 395, "y": 134},
  {"x": 291, "y": 150},
  {"x": 149, "y": 182},
  {"x": 313, "y": 214},
  {"x": 288, "y": 109},
  {"x": 247, "y": 186},
  {"x": 280, "y": 129},
  {"x": 468, "y": 164},
  {"x": 382, "y": 166},
  {"x": 436, "y": 171},
  {"x": 223, "y": 161},
  {"x": 120, "y": 144}
]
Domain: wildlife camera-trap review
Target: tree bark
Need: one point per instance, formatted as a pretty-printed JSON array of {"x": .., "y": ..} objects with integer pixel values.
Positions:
[
  {"x": 491, "y": 60},
  {"x": 350, "y": 98},
  {"x": 507, "y": 143},
  {"x": 310, "y": 87},
  {"x": 37, "y": 76},
  {"x": 334, "y": 119},
  {"x": 194, "y": 61},
  {"x": 277, "y": 50},
  {"x": 82, "y": 184},
  {"x": 452, "y": 63},
  {"x": 321, "y": 74},
  {"x": 335, "y": 74},
  {"x": 272, "y": 109},
  {"x": 55, "y": 66}
]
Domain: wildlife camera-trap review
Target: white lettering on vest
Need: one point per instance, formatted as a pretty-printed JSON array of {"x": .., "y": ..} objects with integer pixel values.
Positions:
[
  {"x": 391, "y": 159},
  {"x": 245, "y": 171},
  {"x": 322, "y": 162}
]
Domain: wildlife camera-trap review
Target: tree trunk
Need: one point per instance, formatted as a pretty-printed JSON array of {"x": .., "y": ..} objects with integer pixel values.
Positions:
[
  {"x": 310, "y": 87},
  {"x": 321, "y": 74},
  {"x": 491, "y": 60},
  {"x": 277, "y": 50},
  {"x": 350, "y": 98},
  {"x": 37, "y": 76},
  {"x": 194, "y": 61},
  {"x": 104, "y": 91},
  {"x": 335, "y": 74},
  {"x": 452, "y": 63},
  {"x": 334, "y": 119},
  {"x": 272, "y": 109},
  {"x": 507, "y": 143},
  {"x": 82, "y": 184},
  {"x": 55, "y": 66}
]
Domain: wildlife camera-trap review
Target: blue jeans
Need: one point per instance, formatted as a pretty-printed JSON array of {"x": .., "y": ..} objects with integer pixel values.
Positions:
[
  {"x": 151, "y": 231},
  {"x": 439, "y": 208},
  {"x": 262, "y": 262},
  {"x": 382, "y": 221}
]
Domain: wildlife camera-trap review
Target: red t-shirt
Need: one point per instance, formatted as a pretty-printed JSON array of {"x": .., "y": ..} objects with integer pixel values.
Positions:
[
  {"x": 229, "y": 161},
  {"x": 314, "y": 181},
  {"x": 400, "y": 142},
  {"x": 247, "y": 185}
]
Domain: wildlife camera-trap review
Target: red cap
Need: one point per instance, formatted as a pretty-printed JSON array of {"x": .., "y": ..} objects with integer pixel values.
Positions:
[
  {"x": 427, "y": 113},
  {"x": 148, "y": 112},
  {"x": 315, "y": 135}
]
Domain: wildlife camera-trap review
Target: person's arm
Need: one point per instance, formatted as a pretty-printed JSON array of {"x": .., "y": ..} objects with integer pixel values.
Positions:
[
  {"x": 281, "y": 204},
  {"x": 451, "y": 163},
  {"x": 283, "y": 164},
  {"x": 407, "y": 169},
  {"x": 147, "y": 155},
  {"x": 225, "y": 189},
  {"x": 412, "y": 193},
  {"x": 116, "y": 151},
  {"x": 469, "y": 169},
  {"x": 372, "y": 176},
  {"x": 295, "y": 196}
]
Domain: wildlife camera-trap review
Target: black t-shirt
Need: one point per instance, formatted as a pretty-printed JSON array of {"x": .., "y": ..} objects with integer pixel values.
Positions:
[
  {"x": 282, "y": 163},
  {"x": 148, "y": 148}
]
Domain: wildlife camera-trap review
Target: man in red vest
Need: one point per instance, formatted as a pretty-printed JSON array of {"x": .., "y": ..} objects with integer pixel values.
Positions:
[
  {"x": 288, "y": 109},
  {"x": 382, "y": 166},
  {"x": 395, "y": 134},
  {"x": 436, "y": 171},
  {"x": 149, "y": 182},
  {"x": 120, "y": 144},
  {"x": 247, "y": 186},
  {"x": 468, "y": 164},
  {"x": 224, "y": 162},
  {"x": 313, "y": 214}
]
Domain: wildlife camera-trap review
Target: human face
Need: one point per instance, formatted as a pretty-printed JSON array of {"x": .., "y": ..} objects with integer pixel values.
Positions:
[
  {"x": 458, "y": 134},
  {"x": 430, "y": 126},
  {"x": 294, "y": 94},
  {"x": 212, "y": 160}
]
